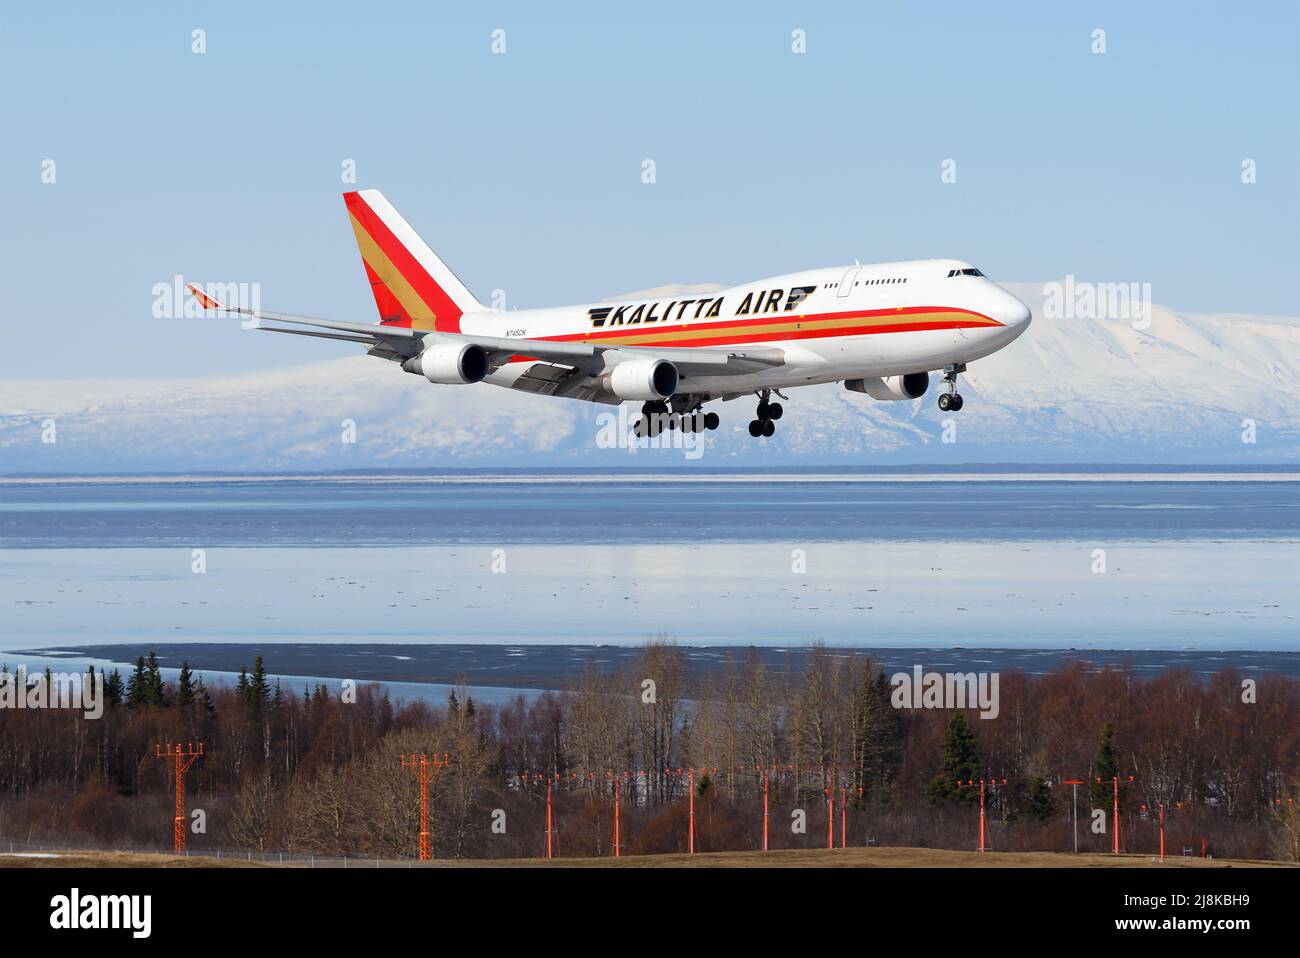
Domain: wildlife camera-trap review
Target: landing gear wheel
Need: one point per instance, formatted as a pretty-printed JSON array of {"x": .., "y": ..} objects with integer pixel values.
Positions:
[
  {"x": 711, "y": 421},
  {"x": 650, "y": 424},
  {"x": 951, "y": 400},
  {"x": 768, "y": 412}
]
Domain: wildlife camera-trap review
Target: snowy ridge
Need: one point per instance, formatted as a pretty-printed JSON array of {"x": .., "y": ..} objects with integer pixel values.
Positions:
[{"x": 1069, "y": 390}]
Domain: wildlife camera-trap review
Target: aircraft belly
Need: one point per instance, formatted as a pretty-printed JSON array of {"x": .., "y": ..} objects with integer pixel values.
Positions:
[
  {"x": 809, "y": 362},
  {"x": 850, "y": 357}
]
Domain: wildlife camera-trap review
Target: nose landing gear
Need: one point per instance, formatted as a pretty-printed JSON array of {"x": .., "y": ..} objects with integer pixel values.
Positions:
[
  {"x": 768, "y": 413},
  {"x": 951, "y": 400}
]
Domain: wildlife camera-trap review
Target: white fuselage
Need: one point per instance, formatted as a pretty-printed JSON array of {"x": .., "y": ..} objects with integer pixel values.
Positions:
[{"x": 841, "y": 323}]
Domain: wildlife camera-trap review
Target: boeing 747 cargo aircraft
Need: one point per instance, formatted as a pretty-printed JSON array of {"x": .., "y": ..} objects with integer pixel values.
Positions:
[{"x": 880, "y": 329}]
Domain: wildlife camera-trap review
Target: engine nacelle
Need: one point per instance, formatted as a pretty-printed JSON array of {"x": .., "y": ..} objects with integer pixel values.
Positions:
[
  {"x": 911, "y": 386},
  {"x": 450, "y": 364},
  {"x": 647, "y": 379}
]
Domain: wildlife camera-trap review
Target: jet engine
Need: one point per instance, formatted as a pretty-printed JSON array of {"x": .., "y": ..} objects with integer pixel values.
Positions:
[
  {"x": 647, "y": 379},
  {"x": 450, "y": 363},
  {"x": 911, "y": 386}
]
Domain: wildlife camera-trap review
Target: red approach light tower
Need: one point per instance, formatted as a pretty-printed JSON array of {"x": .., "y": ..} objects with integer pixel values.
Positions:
[
  {"x": 690, "y": 792},
  {"x": 1161, "y": 806},
  {"x": 766, "y": 806},
  {"x": 617, "y": 781},
  {"x": 764, "y": 772},
  {"x": 425, "y": 767},
  {"x": 181, "y": 759},
  {"x": 690, "y": 835},
  {"x": 551, "y": 779},
  {"x": 982, "y": 784},
  {"x": 1115, "y": 780}
]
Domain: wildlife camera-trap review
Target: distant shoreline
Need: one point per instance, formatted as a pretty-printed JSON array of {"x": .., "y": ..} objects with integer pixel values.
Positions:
[
  {"x": 531, "y": 666},
  {"x": 1279, "y": 473}
]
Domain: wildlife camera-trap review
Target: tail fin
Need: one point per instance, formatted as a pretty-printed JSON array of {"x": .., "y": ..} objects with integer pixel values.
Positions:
[{"x": 412, "y": 286}]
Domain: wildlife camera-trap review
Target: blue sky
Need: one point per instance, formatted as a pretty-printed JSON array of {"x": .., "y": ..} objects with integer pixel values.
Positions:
[{"x": 523, "y": 170}]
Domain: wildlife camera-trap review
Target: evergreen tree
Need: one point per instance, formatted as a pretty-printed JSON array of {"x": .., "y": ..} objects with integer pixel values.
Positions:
[
  {"x": 202, "y": 697},
  {"x": 877, "y": 735},
  {"x": 154, "y": 693},
  {"x": 259, "y": 689},
  {"x": 241, "y": 686},
  {"x": 137, "y": 686},
  {"x": 1035, "y": 803},
  {"x": 960, "y": 764},
  {"x": 1106, "y": 768},
  {"x": 185, "y": 685},
  {"x": 113, "y": 689}
]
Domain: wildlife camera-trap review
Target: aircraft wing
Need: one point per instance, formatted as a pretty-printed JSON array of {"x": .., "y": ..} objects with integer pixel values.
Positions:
[
  {"x": 579, "y": 363},
  {"x": 590, "y": 357}
]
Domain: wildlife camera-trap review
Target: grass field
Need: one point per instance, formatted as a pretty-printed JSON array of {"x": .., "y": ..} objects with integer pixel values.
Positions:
[{"x": 800, "y": 858}]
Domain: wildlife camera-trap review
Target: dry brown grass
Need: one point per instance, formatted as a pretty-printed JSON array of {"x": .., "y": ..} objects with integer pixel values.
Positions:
[
  {"x": 878, "y": 858},
  {"x": 797, "y": 858},
  {"x": 118, "y": 860}
]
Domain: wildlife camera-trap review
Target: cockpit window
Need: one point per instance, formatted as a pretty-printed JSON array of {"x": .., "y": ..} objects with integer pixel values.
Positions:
[{"x": 963, "y": 272}]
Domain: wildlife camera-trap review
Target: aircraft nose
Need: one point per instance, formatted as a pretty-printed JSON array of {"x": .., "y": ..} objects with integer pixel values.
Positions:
[{"x": 1012, "y": 313}]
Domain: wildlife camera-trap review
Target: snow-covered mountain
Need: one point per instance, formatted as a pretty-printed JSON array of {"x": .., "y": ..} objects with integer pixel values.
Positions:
[{"x": 1070, "y": 390}]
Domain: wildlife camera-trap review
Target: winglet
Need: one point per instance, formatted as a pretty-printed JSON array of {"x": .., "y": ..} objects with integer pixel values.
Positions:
[{"x": 204, "y": 300}]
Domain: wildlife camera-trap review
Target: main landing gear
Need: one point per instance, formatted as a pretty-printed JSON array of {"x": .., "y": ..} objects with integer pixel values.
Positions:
[
  {"x": 951, "y": 400},
  {"x": 768, "y": 413},
  {"x": 657, "y": 416}
]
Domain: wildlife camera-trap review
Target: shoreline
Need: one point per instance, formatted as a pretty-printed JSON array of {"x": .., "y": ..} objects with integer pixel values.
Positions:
[
  {"x": 533, "y": 666},
  {"x": 1145, "y": 475}
]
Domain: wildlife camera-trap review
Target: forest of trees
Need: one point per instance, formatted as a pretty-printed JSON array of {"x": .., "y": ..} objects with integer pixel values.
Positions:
[{"x": 307, "y": 769}]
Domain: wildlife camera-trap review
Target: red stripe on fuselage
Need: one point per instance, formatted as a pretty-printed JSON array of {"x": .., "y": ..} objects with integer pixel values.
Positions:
[
  {"x": 775, "y": 320},
  {"x": 791, "y": 335}
]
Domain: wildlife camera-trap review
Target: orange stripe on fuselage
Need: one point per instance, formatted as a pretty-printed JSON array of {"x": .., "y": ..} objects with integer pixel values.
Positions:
[
  {"x": 785, "y": 328},
  {"x": 781, "y": 327}
]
